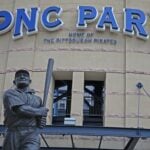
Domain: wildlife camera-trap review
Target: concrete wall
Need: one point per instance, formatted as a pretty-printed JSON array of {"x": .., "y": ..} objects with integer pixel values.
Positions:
[{"x": 124, "y": 64}]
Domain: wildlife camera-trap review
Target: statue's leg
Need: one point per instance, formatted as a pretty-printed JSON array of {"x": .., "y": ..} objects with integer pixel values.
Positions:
[
  {"x": 31, "y": 141},
  {"x": 11, "y": 141}
]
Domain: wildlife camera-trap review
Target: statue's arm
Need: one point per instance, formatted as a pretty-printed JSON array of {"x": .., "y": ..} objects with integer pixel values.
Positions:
[{"x": 28, "y": 111}]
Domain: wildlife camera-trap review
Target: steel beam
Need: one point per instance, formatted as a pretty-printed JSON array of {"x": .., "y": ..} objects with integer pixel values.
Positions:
[
  {"x": 73, "y": 145},
  {"x": 131, "y": 144},
  {"x": 93, "y": 94},
  {"x": 100, "y": 142},
  {"x": 93, "y": 131},
  {"x": 60, "y": 97},
  {"x": 70, "y": 148},
  {"x": 87, "y": 103},
  {"x": 66, "y": 148},
  {"x": 96, "y": 131},
  {"x": 134, "y": 133}
]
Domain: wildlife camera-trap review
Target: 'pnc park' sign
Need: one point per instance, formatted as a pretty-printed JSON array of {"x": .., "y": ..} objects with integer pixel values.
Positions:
[{"x": 50, "y": 18}]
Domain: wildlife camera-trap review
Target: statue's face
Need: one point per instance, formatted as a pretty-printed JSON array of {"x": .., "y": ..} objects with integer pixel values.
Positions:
[{"x": 22, "y": 80}]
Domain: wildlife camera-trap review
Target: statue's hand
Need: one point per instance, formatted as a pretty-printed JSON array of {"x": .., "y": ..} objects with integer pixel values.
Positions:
[
  {"x": 42, "y": 122},
  {"x": 43, "y": 111}
]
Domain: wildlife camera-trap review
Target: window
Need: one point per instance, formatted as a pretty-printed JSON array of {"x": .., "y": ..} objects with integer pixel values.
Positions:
[
  {"x": 93, "y": 103},
  {"x": 61, "y": 101}
]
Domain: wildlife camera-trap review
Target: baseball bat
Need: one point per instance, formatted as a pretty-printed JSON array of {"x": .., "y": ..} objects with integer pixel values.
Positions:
[
  {"x": 47, "y": 85},
  {"x": 48, "y": 79}
]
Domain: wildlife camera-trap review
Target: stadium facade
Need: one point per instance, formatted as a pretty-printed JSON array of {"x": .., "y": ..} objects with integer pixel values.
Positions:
[{"x": 98, "y": 63}]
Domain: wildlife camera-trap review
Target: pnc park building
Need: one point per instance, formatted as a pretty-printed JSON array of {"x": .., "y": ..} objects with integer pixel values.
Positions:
[{"x": 99, "y": 96}]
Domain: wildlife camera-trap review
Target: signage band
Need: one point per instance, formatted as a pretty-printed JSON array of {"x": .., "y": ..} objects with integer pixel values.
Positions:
[{"x": 134, "y": 20}]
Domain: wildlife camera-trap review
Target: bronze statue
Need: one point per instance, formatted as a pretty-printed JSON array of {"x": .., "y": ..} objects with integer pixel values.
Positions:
[{"x": 23, "y": 115}]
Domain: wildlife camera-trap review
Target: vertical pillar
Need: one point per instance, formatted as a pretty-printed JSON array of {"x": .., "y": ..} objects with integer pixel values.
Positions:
[
  {"x": 77, "y": 97},
  {"x": 68, "y": 99},
  {"x": 2, "y": 78}
]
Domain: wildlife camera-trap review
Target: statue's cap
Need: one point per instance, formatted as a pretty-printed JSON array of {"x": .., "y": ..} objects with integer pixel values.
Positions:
[{"x": 21, "y": 71}]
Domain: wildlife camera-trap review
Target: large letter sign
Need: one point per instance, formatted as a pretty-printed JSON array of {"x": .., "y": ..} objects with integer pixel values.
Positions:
[
  {"x": 86, "y": 14},
  {"x": 45, "y": 18},
  {"x": 30, "y": 23},
  {"x": 7, "y": 21},
  {"x": 107, "y": 19},
  {"x": 134, "y": 20}
]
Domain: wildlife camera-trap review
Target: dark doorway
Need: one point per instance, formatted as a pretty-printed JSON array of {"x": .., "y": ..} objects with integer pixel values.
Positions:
[
  {"x": 93, "y": 103},
  {"x": 61, "y": 101}
]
